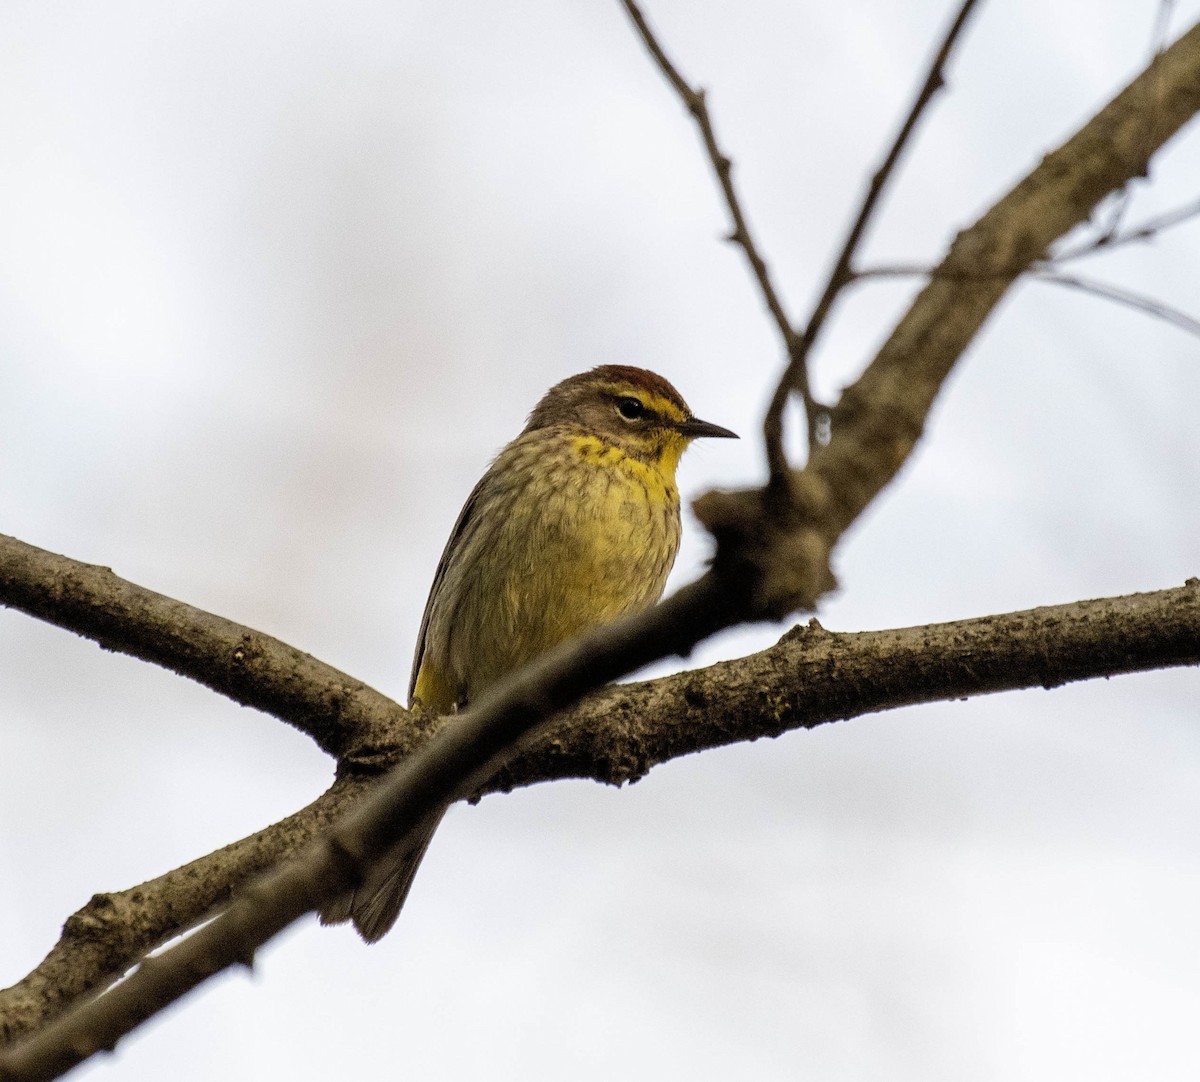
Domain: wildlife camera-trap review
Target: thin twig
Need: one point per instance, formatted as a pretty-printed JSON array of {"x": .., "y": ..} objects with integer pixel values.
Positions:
[
  {"x": 695, "y": 101},
  {"x": 1146, "y": 231},
  {"x": 1137, "y": 301},
  {"x": 1047, "y": 271},
  {"x": 796, "y": 374}
]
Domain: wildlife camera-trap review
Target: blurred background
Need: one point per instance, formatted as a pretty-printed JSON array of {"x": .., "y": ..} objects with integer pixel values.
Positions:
[{"x": 275, "y": 282}]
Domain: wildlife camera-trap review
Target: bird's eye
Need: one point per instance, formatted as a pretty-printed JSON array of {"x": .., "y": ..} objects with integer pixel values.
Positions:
[{"x": 630, "y": 408}]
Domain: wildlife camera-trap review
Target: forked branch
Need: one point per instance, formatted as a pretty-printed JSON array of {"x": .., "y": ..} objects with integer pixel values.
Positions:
[
  {"x": 810, "y": 677},
  {"x": 797, "y": 344},
  {"x": 796, "y": 373}
]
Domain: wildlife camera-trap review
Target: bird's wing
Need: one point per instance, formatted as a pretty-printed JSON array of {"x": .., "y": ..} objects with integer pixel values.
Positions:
[{"x": 460, "y": 526}]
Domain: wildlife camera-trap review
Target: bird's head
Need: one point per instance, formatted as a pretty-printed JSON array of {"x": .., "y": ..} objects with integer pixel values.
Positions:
[{"x": 632, "y": 409}]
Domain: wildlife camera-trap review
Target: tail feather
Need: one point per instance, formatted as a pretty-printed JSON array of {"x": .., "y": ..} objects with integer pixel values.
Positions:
[{"x": 376, "y": 904}]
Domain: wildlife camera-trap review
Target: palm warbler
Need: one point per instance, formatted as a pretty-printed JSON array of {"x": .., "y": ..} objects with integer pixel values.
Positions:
[{"x": 576, "y": 522}]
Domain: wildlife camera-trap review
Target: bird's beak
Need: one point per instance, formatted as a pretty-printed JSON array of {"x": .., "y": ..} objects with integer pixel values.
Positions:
[{"x": 695, "y": 428}]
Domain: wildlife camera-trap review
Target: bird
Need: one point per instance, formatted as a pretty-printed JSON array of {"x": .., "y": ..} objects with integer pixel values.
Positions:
[{"x": 575, "y": 523}]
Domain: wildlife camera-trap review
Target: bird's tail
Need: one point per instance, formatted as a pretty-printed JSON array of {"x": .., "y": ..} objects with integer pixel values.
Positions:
[{"x": 375, "y": 905}]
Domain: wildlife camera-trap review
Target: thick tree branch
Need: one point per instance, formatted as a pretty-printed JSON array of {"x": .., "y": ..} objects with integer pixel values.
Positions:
[
  {"x": 461, "y": 758},
  {"x": 812, "y": 676},
  {"x": 109, "y": 934},
  {"x": 880, "y": 418},
  {"x": 243, "y": 664}
]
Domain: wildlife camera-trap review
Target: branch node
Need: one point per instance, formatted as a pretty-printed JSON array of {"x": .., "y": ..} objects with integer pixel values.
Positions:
[{"x": 778, "y": 565}]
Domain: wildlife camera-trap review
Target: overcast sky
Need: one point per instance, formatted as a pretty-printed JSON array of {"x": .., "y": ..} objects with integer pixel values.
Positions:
[{"x": 275, "y": 282}]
